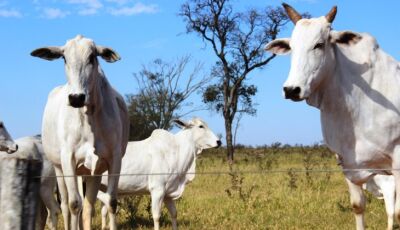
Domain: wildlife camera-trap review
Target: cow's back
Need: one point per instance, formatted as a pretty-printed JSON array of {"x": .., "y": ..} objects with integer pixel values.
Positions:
[{"x": 145, "y": 158}]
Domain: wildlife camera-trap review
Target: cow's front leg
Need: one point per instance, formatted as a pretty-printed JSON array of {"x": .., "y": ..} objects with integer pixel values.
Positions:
[
  {"x": 357, "y": 200},
  {"x": 62, "y": 188},
  {"x": 92, "y": 187},
  {"x": 157, "y": 197},
  {"x": 112, "y": 191},
  {"x": 68, "y": 165}
]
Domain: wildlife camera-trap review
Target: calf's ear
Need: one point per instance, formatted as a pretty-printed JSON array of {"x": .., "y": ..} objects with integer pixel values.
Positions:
[
  {"x": 48, "y": 53},
  {"x": 181, "y": 123},
  {"x": 279, "y": 46},
  {"x": 345, "y": 37},
  {"x": 108, "y": 54}
]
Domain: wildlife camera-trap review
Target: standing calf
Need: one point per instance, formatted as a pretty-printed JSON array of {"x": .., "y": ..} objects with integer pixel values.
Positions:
[
  {"x": 85, "y": 128},
  {"x": 169, "y": 157}
]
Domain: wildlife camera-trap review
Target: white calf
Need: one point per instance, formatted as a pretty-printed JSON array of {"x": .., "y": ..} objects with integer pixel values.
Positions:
[{"x": 160, "y": 164}]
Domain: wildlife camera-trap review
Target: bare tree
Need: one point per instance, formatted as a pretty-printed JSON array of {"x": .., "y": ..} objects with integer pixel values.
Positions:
[
  {"x": 237, "y": 39},
  {"x": 164, "y": 89}
]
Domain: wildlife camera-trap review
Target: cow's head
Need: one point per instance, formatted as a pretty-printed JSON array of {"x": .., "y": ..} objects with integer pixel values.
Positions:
[
  {"x": 6, "y": 142},
  {"x": 81, "y": 66},
  {"x": 202, "y": 135},
  {"x": 312, "y": 54}
]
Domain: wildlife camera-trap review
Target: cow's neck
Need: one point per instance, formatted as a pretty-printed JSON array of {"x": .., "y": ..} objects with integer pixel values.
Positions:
[
  {"x": 363, "y": 80},
  {"x": 187, "y": 151},
  {"x": 96, "y": 96},
  {"x": 335, "y": 98}
]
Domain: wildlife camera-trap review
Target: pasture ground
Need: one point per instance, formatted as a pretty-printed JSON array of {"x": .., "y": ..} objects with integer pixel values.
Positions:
[{"x": 284, "y": 200}]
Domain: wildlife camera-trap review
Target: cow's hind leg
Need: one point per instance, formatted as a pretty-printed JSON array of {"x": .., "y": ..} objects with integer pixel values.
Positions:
[
  {"x": 357, "y": 200},
  {"x": 389, "y": 198},
  {"x": 47, "y": 195},
  {"x": 396, "y": 174},
  {"x": 103, "y": 197},
  {"x": 92, "y": 187},
  {"x": 170, "y": 203},
  {"x": 104, "y": 213}
]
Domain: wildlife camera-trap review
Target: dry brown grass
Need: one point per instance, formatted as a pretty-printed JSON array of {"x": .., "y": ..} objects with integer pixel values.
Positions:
[{"x": 288, "y": 200}]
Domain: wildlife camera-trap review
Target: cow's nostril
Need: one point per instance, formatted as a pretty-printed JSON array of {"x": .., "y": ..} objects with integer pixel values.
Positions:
[
  {"x": 81, "y": 97},
  {"x": 77, "y": 100},
  {"x": 285, "y": 89},
  {"x": 292, "y": 92}
]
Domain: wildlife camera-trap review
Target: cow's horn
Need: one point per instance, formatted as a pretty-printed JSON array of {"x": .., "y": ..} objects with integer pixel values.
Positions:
[
  {"x": 331, "y": 15},
  {"x": 292, "y": 13}
]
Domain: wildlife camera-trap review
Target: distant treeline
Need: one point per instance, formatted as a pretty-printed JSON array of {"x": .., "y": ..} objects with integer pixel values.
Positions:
[{"x": 279, "y": 145}]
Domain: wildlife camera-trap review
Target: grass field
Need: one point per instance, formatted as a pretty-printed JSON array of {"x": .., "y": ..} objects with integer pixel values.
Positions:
[{"x": 285, "y": 200}]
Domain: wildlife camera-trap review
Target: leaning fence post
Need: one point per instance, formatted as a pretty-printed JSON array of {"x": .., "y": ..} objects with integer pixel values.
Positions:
[{"x": 19, "y": 190}]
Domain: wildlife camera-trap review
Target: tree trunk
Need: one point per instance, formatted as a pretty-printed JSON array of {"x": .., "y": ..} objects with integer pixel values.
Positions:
[{"x": 229, "y": 142}]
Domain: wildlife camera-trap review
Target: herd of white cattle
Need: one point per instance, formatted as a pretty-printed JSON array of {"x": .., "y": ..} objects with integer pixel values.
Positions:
[{"x": 345, "y": 74}]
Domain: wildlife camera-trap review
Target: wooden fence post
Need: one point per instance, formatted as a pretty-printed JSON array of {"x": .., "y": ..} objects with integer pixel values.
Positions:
[{"x": 19, "y": 192}]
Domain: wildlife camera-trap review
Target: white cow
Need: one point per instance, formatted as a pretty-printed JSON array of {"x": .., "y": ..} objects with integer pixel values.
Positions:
[
  {"x": 85, "y": 127},
  {"x": 6, "y": 142},
  {"x": 355, "y": 85},
  {"x": 170, "y": 157},
  {"x": 31, "y": 147}
]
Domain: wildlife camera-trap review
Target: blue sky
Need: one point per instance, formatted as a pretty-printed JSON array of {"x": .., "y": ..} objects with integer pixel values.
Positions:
[{"x": 141, "y": 31}]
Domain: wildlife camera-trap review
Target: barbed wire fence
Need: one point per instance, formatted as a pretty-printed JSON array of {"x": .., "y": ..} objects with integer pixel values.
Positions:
[{"x": 272, "y": 171}]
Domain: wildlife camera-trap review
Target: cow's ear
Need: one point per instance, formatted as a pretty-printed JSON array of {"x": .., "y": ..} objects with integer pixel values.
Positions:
[
  {"x": 181, "y": 123},
  {"x": 345, "y": 37},
  {"x": 108, "y": 54},
  {"x": 48, "y": 53},
  {"x": 279, "y": 46}
]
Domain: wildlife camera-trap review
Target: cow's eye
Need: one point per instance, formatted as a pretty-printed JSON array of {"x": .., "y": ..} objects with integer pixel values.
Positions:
[
  {"x": 319, "y": 46},
  {"x": 201, "y": 127}
]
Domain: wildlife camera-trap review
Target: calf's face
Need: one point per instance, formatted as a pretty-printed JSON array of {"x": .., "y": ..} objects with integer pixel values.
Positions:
[
  {"x": 203, "y": 136},
  {"x": 6, "y": 142},
  {"x": 81, "y": 66}
]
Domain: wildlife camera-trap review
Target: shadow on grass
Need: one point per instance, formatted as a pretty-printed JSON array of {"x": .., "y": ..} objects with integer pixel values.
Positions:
[{"x": 148, "y": 223}]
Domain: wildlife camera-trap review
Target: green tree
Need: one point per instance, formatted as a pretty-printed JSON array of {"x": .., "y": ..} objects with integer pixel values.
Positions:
[
  {"x": 164, "y": 89},
  {"x": 237, "y": 40}
]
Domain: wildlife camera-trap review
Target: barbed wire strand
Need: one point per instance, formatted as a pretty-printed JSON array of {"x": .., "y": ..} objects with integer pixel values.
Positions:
[{"x": 272, "y": 171}]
